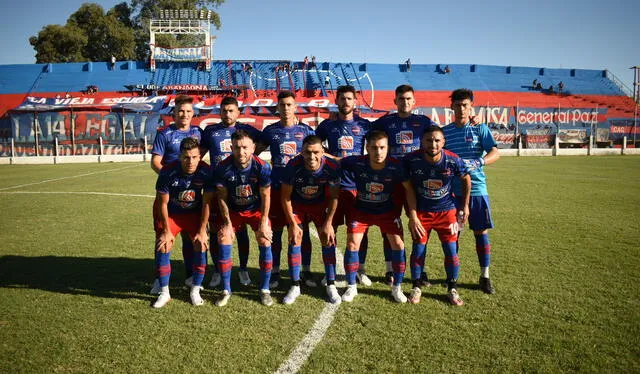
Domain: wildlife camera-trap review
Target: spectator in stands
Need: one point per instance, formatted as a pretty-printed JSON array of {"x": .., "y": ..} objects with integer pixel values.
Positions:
[
  {"x": 408, "y": 64},
  {"x": 551, "y": 88},
  {"x": 113, "y": 62},
  {"x": 535, "y": 84},
  {"x": 313, "y": 62},
  {"x": 560, "y": 87},
  {"x": 447, "y": 69},
  {"x": 67, "y": 95},
  {"x": 58, "y": 96},
  {"x": 249, "y": 68},
  {"x": 286, "y": 67},
  {"x": 539, "y": 86},
  {"x": 306, "y": 61},
  {"x": 327, "y": 81}
]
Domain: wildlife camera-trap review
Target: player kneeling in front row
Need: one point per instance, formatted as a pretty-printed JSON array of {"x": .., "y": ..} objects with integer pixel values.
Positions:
[
  {"x": 377, "y": 178},
  {"x": 310, "y": 189},
  {"x": 431, "y": 171},
  {"x": 243, "y": 186},
  {"x": 179, "y": 190}
]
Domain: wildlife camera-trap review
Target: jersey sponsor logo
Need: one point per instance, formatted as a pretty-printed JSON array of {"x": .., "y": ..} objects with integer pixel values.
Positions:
[
  {"x": 404, "y": 137},
  {"x": 288, "y": 148},
  {"x": 433, "y": 184},
  {"x": 310, "y": 190},
  {"x": 345, "y": 142},
  {"x": 244, "y": 190},
  {"x": 298, "y": 135},
  {"x": 225, "y": 146},
  {"x": 355, "y": 130},
  {"x": 374, "y": 187}
]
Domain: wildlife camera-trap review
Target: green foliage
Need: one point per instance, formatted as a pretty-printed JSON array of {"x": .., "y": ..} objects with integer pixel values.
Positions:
[
  {"x": 75, "y": 270},
  {"x": 90, "y": 34}
]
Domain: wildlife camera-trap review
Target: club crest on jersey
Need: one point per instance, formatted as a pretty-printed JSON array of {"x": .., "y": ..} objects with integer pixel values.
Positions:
[
  {"x": 244, "y": 190},
  {"x": 433, "y": 184},
  {"x": 404, "y": 137},
  {"x": 288, "y": 148},
  {"x": 310, "y": 190},
  {"x": 298, "y": 135},
  {"x": 187, "y": 196},
  {"x": 345, "y": 142},
  {"x": 225, "y": 145},
  {"x": 374, "y": 187},
  {"x": 355, "y": 130}
]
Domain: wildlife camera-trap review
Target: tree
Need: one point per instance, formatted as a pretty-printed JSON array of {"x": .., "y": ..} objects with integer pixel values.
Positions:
[{"x": 90, "y": 34}]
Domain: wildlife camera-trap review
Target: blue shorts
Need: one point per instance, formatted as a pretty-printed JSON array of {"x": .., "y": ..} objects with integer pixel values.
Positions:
[{"x": 479, "y": 212}]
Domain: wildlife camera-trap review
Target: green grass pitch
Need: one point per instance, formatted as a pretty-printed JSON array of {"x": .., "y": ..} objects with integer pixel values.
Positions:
[{"x": 76, "y": 268}]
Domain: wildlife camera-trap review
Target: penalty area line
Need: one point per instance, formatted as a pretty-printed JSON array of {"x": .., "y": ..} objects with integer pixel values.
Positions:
[
  {"x": 62, "y": 178},
  {"x": 305, "y": 347}
]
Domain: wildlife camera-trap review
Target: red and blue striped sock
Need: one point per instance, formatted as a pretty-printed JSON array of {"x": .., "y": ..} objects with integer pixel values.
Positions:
[
  {"x": 266, "y": 264},
  {"x": 329, "y": 259},
  {"x": 351, "y": 265},
  {"x": 483, "y": 248},
  {"x": 418, "y": 254},
  {"x": 295, "y": 259},
  {"x": 243, "y": 248},
  {"x": 163, "y": 268},
  {"x": 225, "y": 262},
  {"x": 199, "y": 267},
  {"x": 398, "y": 263},
  {"x": 451, "y": 262}
]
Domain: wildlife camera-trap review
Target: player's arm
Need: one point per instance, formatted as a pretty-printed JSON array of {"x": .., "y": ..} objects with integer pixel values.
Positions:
[
  {"x": 226, "y": 229},
  {"x": 156, "y": 163},
  {"x": 415, "y": 227},
  {"x": 295, "y": 232},
  {"x": 202, "y": 238},
  {"x": 165, "y": 241},
  {"x": 261, "y": 146},
  {"x": 492, "y": 156},
  {"x": 327, "y": 233},
  {"x": 264, "y": 230},
  {"x": 465, "y": 180}
]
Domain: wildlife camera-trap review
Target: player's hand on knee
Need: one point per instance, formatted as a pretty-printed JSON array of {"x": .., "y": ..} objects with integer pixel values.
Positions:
[
  {"x": 295, "y": 234},
  {"x": 416, "y": 229},
  {"x": 265, "y": 232},
  {"x": 327, "y": 235},
  {"x": 165, "y": 242},
  {"x": 201, "y": 241}
]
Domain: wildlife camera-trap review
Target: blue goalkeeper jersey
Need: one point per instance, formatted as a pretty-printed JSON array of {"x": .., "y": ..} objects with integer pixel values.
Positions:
[{"x": 470, "y": 142}]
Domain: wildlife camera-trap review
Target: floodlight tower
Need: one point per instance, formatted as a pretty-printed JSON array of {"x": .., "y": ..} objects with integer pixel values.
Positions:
[
  {"x": 636, "y": 83},
  {"x": 171, "y": 21}
]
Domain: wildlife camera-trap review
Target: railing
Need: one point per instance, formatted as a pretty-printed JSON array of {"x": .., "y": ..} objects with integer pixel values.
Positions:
[{"x": 623, "y": 87}]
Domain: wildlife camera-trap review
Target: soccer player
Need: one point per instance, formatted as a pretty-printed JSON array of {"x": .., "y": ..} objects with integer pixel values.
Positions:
[
  {"x": 310, "y": 189},
  {"x": 166, "y": 150},
  {"x": 476, "y": 146},
  {"x": 180, "y": 194},
  {"x": 404, "y": 129},
  {"x": 243, "y": 186},
  {"x": 377, "y": 178},
  {"x": 344, "y": 137},
  {"x": 284, "y": 139},
  {"x": 431, "y": 171},
  {"x": 216, "y": 139}
]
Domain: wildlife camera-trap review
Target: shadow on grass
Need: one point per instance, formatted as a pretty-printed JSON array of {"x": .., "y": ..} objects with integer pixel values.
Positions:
[{"x": 119, "y": 277}]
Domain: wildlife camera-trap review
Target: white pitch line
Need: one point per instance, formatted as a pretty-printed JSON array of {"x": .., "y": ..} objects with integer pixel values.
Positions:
[
  {"x": 61, "y": 178},
  {"x": 303, "y": 350},
  {"x": 75, "y": 193}
]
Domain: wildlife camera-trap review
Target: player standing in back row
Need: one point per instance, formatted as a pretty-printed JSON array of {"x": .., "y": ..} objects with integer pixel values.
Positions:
[
  {"x": 476, "y": 146},
  {"x": 404, "y": 129}
]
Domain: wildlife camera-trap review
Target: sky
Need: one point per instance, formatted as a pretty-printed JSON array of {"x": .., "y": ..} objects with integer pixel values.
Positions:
[{"x": 584, "y": 34}]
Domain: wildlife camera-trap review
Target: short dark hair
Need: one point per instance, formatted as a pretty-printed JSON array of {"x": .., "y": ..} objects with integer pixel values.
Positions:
[
  {"x": 284, "y": 94},
  {"x": 374, "y": 135},
  {"x": 461, "y": 94},
  {"x": 189, "y": 143},
  {"x": 403, "y": 88},
  {"x": 183, "y": 99},
  {"x": 431, "y": 129},
  {"x": 229, "y": 101},
  {"x": 345, "y": 89},
  {"x": 239, "y": 134},
  {"x": 312, "y": 139}
]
